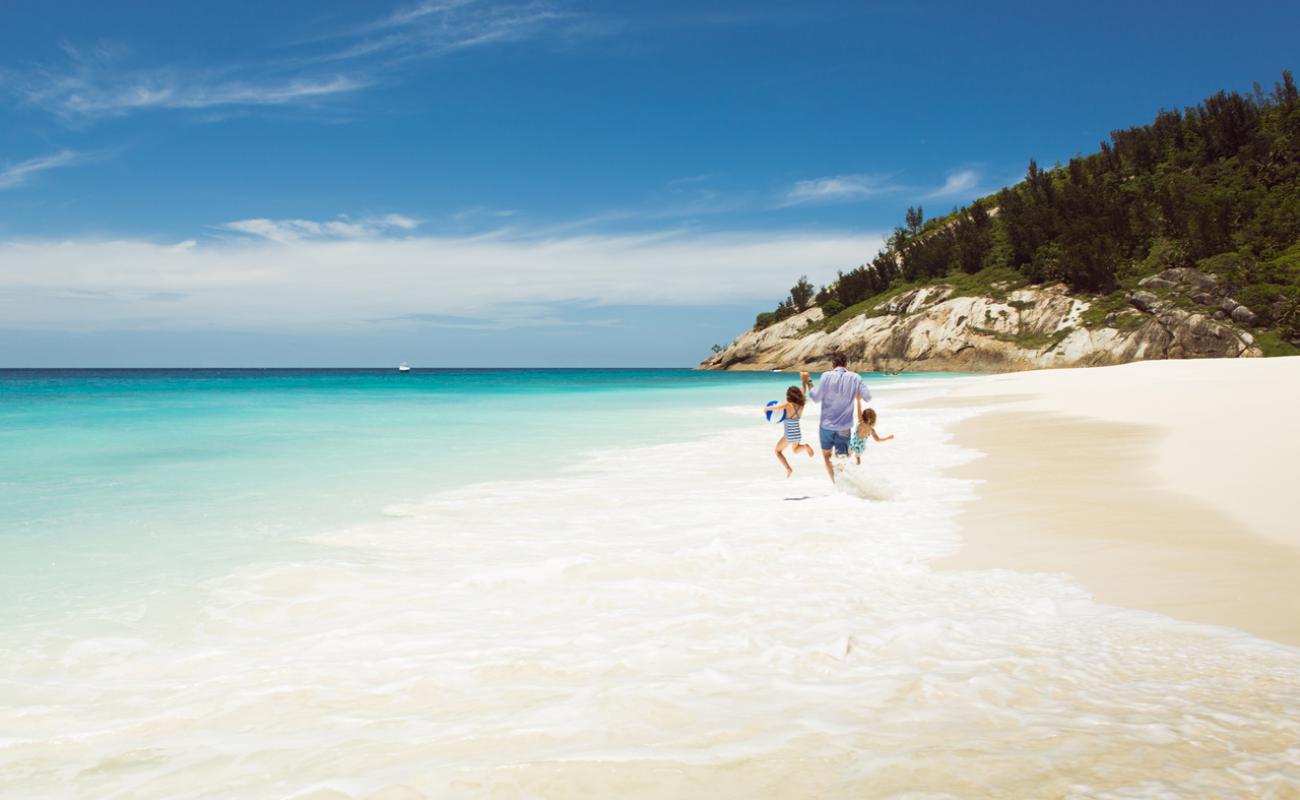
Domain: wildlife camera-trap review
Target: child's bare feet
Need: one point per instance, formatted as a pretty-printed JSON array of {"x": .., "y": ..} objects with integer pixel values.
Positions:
[{"x": 788, "y": 472}]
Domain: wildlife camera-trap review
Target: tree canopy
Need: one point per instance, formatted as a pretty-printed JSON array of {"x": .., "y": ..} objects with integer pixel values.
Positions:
[{"x": 1216, "y": 185}]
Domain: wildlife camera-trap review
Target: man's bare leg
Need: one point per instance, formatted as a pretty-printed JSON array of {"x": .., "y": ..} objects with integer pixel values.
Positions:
[{"x": 830, "y": 470}]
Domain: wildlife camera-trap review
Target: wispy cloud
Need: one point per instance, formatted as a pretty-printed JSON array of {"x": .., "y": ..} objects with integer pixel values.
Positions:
[
  {"x": 108, "y": 80},
  {"x": 854, "y": 188},
  {"x": 130, "y": 93},
  {"x": 432, "y": 29},
  {"x": 18, "y": 174},
  {"x": 687, "y": 181},
  {"x": 681, "y": 201},
  {"x": 957, "y": 184},
  {"x": 316, "y": 276},
  {"x": 837, "y": 189},
  {"x": 293, "y": 230},
  {"x": 483, "y": 212},
  {"x": 96, "y": 84},
  {"x": 518, "y": 315}
]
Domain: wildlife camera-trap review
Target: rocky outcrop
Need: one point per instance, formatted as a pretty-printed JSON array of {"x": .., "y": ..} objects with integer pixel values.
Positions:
[{"x": 928, "y": 329}]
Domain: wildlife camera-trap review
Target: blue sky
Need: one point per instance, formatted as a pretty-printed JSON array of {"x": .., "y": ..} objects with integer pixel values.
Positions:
[{"x": 467, "y": 183}]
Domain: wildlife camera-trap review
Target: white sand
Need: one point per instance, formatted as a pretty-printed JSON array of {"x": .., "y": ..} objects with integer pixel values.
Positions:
[{"x": 1167, "y": 485}]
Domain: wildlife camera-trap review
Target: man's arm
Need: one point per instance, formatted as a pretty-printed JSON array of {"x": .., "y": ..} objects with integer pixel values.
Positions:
[
  {"x": 863, "y": 394},
  {"x": 863, "y": 391}
]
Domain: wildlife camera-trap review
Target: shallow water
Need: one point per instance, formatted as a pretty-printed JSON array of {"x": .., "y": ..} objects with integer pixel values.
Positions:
[
  {"x": 118, "y": 483},
  {"x": 655, "y": 620}
]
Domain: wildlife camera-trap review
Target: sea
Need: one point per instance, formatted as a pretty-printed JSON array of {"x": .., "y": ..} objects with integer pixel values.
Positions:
[{"x": 330, "y": 584}]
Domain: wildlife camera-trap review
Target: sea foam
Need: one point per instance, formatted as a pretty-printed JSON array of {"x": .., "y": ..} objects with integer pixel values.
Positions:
[{"x": 672, "y": 620}]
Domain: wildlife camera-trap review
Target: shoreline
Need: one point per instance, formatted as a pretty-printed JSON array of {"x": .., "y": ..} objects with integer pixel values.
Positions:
[
  {"x": 599, "y": 627},
  {"x": 1160, "y": 486}
]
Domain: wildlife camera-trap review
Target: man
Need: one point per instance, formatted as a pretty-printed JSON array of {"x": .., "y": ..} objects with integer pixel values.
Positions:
[{"x": 841, "y": 394}]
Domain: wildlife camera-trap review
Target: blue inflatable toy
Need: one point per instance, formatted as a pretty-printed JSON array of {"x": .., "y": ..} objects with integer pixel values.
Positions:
[{"x": 768, "y": 413}]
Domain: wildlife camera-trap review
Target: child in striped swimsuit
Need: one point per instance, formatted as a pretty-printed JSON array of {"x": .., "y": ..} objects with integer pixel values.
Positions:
[{"x": 793, "y": 408}]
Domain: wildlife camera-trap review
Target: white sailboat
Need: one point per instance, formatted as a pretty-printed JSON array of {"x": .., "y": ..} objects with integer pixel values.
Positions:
[{"x": 403, "y": 367}]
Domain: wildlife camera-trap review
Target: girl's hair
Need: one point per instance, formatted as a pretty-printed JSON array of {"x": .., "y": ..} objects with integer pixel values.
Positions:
[
  {"x": 869, "y": 416},
  {"x": 794, "y": 395}
]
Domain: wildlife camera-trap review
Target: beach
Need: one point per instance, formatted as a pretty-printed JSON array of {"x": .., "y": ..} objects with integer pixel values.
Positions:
[
  {"x": 1164, "y": 485},
  {"x": 424, "y": 400},
  {"x": 625, "y": 618}
]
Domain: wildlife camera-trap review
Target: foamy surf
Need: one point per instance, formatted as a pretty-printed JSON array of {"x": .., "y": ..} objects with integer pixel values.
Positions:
[
  {"x": 676, "y": 620},
  {"x": 864, "y": 482}
]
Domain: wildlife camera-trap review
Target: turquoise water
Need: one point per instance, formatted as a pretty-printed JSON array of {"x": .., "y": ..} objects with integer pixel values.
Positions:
[
  {"x": 214, "y": 586},
  {"x": 121, "y": 483}
]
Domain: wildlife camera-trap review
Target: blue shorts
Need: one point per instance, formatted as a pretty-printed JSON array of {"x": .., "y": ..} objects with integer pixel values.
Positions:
[{"x": 835, "y": 440}]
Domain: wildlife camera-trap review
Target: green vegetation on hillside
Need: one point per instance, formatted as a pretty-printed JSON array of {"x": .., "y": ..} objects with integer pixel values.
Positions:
[{"x": 1215, "y": 186}]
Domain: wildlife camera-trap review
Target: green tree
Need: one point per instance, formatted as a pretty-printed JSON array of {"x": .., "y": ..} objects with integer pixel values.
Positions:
[
  {"x": 915, "y": 218},
  {"x": 974, "y": 240},
  {"x": 801, "y": 294}
]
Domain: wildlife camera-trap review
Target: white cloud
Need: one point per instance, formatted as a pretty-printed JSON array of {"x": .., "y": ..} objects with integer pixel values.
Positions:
[
  {"x": 88, "y": 93},
  {"x": 957, "y": 184},
  {"x": 857, "y": 187},
  {"x": 18, "y": 174},
  {"x": 837, "y": 189},
  {"x": 100, "y": 81},
  {"x": 340, "y": 284},
  {"x": 420, "y": 11},
  {"x": 397, "y": 221},
  {"x": 292, "y": 230},
  {"x": 432, "y": 29}
]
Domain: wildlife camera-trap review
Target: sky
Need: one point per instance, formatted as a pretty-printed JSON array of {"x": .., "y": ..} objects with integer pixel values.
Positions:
[{"x": 509, "y": 184}]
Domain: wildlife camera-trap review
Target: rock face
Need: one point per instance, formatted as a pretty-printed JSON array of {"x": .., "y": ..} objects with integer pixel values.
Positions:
[
  {"x": 1144, "y": 301},
  {"x": 928, "y": 329}
]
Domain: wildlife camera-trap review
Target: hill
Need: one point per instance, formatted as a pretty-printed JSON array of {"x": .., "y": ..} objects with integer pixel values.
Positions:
[{"x": 1180, "y": 238}]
